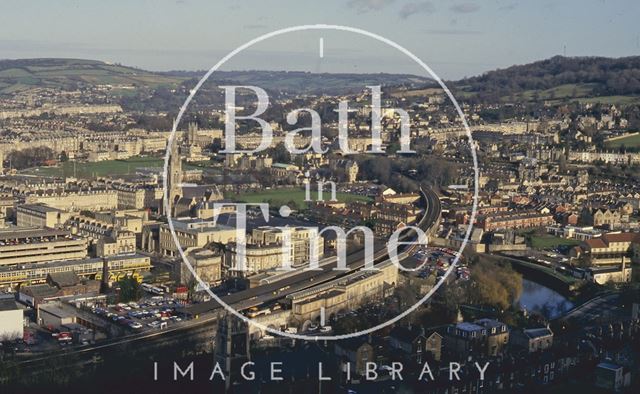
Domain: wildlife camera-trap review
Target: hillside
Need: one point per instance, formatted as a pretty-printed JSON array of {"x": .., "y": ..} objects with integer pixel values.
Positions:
[
  {"x": 69, "y": 74},
  {"x": 596, "y": 79},
  {"x": 558, "y": 79},
  {"x": 301, "y": 82}
]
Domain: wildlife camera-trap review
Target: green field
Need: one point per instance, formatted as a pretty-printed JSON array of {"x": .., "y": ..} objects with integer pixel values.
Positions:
[
  {"x": 16, "y": 75},
  {"x": 630, "y": 141},
  {"x": 583, "y": 93},
  {"x": 609, "y": 100},
  {"x": 102, "y": 168},
  {"x": 279, "y": 197},
  {"x": 549, "y": 241}
]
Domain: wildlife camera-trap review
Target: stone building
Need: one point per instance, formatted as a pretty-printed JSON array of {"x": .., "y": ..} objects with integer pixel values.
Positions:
[
  {"x": 532, "y": 339},
  {"x": 40, "y": 215},
  {"x": 483, "y": 337},
  {"x": 193, "y": 233},
  {"x": 206, "y": 263}
]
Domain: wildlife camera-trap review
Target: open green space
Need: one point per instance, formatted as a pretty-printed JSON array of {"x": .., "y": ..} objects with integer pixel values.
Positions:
[
  {"x": 630, "y": 141},
  {"x": 549, "y": 241},
  {"x": 609, "y": 100},
  {"x": 277, "y": 197}
]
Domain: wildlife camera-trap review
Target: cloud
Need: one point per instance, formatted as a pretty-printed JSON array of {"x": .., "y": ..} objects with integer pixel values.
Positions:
[
  {"x": 368, "y": 5},
  {"x": 425, "y": 7},
  {"x": 465, "y": 8}
]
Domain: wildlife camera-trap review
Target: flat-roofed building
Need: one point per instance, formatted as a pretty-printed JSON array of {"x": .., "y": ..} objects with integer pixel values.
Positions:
[
  {"x": 118, "y": 266},
  {"x": 55, "y": 314},
  {"x": 40, "y": 215},
  {"x": 11, "y": 319},
  {"x": 27, "y": 246},
  {"x": 609, "y": 274}
]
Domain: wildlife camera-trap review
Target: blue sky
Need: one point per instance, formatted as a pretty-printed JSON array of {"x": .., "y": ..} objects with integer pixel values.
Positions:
[{"x": 455, "y": 38}]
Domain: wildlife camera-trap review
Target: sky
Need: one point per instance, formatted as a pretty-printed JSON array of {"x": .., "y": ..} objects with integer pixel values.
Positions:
[{"x": 455, "y": 38}]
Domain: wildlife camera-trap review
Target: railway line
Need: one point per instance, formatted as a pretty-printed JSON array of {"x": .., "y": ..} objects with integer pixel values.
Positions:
[
  {"x": 277, "y": 290},
  {"x": 208, "y": 313}
]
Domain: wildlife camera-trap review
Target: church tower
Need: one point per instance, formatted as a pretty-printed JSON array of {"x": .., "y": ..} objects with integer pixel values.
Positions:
[
  {"x": 174, "y": 175},
  {"x": 192, "y": 134}
]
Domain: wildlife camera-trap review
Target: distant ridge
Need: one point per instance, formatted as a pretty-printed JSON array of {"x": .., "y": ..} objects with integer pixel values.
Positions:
[
  {"x": 21, "y": 74},
  {"x": 599, "y": 79},
  {"x": 557, "y": 78},
  {"x": 69, "y": 74}
]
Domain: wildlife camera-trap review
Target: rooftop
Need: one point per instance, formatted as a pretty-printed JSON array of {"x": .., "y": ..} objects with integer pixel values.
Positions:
[
  {"x": 537, "y": 332},
  {"x": 30, "y": 232},
  {"x": 64, "y": 279},
  {"x": 8, "y": 304},
  {"x": 466, "y": 326},
  {"x": 489, "y": 323},
  {"x": 607, "y": 365},
  {"x": 39, "y": 208}
]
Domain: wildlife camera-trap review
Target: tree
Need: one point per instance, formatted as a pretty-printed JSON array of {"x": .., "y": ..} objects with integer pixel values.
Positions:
[
  {"x": 129, "y": 289},
  {"x": 494, "y": 284},
  {"x": 216, "y": 145},
  {"x": 30, "y": 157},
  {"x": 64, "y": 157},
  {"x": 280, "y": 154}
]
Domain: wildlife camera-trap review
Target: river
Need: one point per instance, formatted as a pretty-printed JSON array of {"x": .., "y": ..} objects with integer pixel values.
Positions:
[{"x": 540, "y": 299}]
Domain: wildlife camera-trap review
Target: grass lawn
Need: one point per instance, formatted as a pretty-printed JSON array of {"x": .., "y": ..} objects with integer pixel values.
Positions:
[
  {"x": 549, "y": 241},
  {"x": 277, "y": 197},
  {"x": 101, "y": 168},
  {"x": 630, "y": 141},
  {"x": 615, "y": 100},
  {"x": 559, "y": 92}
]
